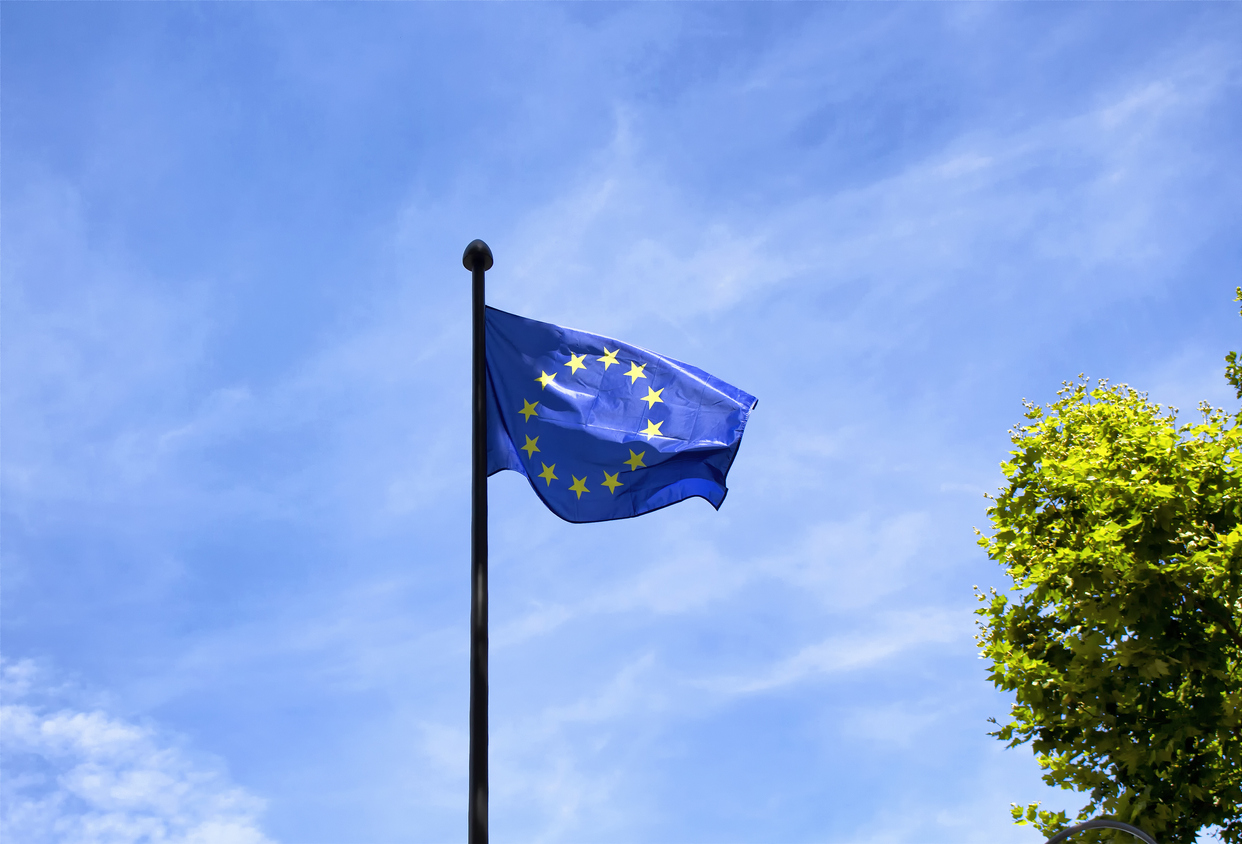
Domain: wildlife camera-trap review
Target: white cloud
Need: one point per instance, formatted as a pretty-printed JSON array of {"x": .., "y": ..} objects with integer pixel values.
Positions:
[
  {"x": 854, "y": 563},
  {"x": 846, "y": 565},
  {"x": 979, "y": 814},
  {"x": 77, "y": 776},
  {"x": 88, "y": 341},
  {"x": 901, "y": 632},
  {"x": 634, "y": 249},
  {"x": 377, "y": 416}
]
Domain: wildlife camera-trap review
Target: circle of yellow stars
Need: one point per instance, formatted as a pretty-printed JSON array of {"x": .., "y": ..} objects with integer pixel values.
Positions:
[{"x": 635, "y": 462}]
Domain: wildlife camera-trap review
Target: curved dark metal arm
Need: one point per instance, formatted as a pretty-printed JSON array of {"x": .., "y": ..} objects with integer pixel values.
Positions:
[{"x": 1101, "y": 823}]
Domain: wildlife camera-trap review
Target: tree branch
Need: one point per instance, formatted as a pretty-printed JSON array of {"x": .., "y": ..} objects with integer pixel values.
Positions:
[{"x": 1209, "y": 604}]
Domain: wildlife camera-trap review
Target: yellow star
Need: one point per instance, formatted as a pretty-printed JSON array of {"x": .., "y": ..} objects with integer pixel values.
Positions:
[
  {"x": 531, "y": 447},
  {"x": 652, "y": 397},
  {"x": 528, "y": 409},
  {"x": 636, "y": 460},
  {"x": 652, "y": 430},
  {"x": 611, "y": 482},
  {"x": 545, "y": 379},
  {"x": 578, "y": 486},
  {"x": 575, "y": 362},
  {"x": 636, "y": 372},
  {"x": 609, "y": 358},
  {"x": 546, "y": 474}
]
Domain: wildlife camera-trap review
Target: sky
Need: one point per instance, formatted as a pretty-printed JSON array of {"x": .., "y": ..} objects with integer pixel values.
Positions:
[{"x": 234, "y": 339}]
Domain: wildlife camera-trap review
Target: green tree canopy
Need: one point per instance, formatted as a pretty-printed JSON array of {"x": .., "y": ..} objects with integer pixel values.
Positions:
[{"x": 1121, "y": 530}]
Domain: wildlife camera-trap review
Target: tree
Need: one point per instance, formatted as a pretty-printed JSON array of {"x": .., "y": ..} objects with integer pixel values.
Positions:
[{"x": 1122, "y": 533}]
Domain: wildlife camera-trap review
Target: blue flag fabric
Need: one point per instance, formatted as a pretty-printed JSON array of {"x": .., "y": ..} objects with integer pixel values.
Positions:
[{"x": 602, "y": 429}]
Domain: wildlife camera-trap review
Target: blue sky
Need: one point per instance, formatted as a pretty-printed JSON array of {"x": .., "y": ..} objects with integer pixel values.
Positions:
[{"x": 235, "y": 397}]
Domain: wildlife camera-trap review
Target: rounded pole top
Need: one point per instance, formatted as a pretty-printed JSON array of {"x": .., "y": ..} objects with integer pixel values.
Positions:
[{"x": 478, "y": 255}]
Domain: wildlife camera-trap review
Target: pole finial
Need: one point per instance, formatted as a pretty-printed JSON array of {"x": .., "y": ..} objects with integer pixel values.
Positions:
[{"x": 477, "y": 255}]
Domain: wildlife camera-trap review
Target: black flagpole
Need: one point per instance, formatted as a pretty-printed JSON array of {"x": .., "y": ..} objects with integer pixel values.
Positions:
[{"x": 478, "y": 259}]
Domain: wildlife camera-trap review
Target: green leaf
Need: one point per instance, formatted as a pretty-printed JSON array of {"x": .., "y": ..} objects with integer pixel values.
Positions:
[{"x": 1121, "y": 534}]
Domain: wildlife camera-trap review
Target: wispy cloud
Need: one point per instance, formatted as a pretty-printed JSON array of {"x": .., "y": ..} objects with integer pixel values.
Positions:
[
  {"x": 235, "y": 405},
  {"x": 74, "y": 776},
  {"x": 899, "y": 633}
]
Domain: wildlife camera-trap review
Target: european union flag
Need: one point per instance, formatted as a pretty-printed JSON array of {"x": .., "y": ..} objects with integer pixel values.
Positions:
[{"x": 602, "y": 429}]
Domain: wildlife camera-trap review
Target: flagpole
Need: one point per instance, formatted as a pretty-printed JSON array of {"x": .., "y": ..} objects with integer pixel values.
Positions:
[{"x": 478, "y": 259}]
